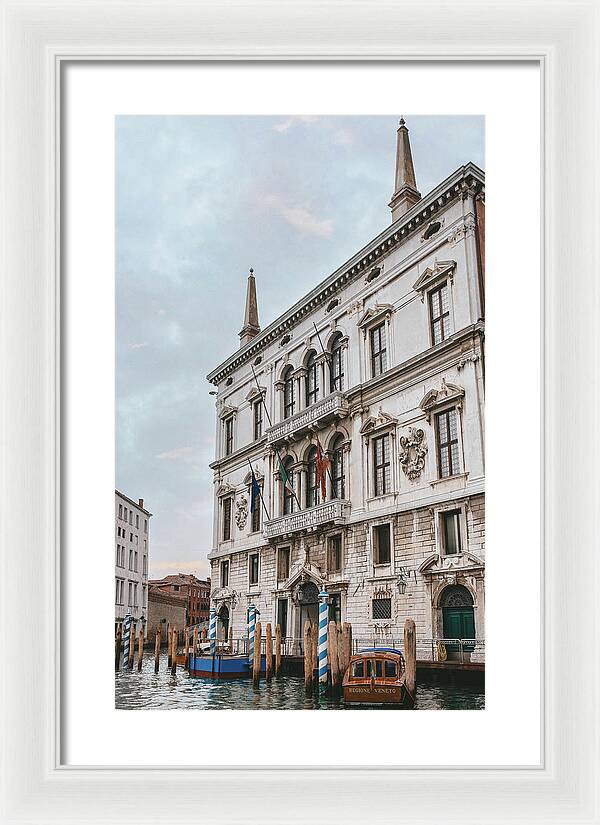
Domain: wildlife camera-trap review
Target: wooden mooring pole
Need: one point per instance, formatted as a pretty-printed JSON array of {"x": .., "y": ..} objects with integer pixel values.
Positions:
[
  {"x": 174, "y": 653},
  {"x": 169, "y": 647},
  {"x": 268, "y": 653},
  {"x": 256, "y": 660},
  {"x": 346, "y": 647},
  {"x": 156, "y": 650},
  {"x": 140, "y": 648},
  {"x": 308, "y": 658},
  {"x": 118, "y": 643},
  {"x": 131, "y": 646},
  {"x": 332, "y": 655},
  {"x": 410, "y": 658},
  {"x": 277, "y": 649}
]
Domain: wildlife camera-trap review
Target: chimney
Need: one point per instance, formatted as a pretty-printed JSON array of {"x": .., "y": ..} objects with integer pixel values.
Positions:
[
  {"x": 141, "y": 502},
  {"x": 405, "y": 194},
  {"x": 251, "y": 326}
]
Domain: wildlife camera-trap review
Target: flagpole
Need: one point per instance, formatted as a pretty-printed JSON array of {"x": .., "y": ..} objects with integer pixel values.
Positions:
[{"x": 262, "y": 400}]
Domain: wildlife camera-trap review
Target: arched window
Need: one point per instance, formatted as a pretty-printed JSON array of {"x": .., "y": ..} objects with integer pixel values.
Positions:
[
  {"x": 336, "y": 369},
  {"x": 312, "y": 489},
  {"x": 289, "y": 397},
  {"x": 289, "y": 499},
  {"x": 338, "y": 477},
  {"x": 312, "y": 382}
]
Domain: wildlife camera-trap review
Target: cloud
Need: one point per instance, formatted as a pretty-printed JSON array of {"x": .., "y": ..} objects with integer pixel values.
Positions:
[
  {"x": 300, "y": 218},
  {"x": 286, "y": 125},
  {"x": 139, "y": 345},
  {"x": 178, "y": 454},
  {"x": 343, "y": 137}
]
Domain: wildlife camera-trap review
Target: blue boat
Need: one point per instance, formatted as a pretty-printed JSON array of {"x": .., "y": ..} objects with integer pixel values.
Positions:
[{"x": 222, "y": 666}]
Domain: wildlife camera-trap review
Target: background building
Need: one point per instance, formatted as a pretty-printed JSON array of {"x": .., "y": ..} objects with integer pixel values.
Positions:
[
  {"x": 193, "y": 590},
  {"x": 132, "y": 539},
  {"x": 164, "y": 610},
  {"x": 382, "y": 366}
]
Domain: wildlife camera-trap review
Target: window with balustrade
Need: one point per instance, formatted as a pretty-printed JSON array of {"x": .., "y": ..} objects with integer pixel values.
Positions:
[
  {"x": 336, "y": 364},
  {"x": 289, "y": 499},
  {"x": 289, "y": 394},
  {"x": 312, "y": 488},
  {"x": 338, "y": 477},
  {"x": 312, "y": 380}
]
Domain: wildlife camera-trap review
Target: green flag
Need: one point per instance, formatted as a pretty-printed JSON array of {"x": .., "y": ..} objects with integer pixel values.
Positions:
[{"x": 285, "y": 478}]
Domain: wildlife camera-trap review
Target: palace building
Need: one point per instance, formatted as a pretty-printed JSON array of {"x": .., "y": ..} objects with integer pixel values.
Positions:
[{"x": 380, "y": 366}]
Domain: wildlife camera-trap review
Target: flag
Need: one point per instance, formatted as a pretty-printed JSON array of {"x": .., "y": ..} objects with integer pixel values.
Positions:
[
  {"x": 285, "y": 478},
  {"x": 323, "y": 465},
  {"x": 254, "y": 493}
]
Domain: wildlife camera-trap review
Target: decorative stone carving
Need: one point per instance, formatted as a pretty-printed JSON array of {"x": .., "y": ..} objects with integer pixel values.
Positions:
[
  {"x": 241, "y": 512},
  {"x": 413, "y": 449}
]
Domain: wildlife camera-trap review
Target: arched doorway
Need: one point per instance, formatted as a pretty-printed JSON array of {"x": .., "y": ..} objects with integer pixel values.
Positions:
[
  {"x": 458, "y": 615},
  {"x": 308, "y": 600},
  {"x": 223, "y": 622}
]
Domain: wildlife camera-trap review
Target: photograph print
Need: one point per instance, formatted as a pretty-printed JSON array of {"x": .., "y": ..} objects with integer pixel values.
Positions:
[{"x": 300, "y": 385}]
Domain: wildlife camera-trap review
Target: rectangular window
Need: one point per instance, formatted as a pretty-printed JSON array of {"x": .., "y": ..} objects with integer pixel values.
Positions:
[
  {"x": 256, "y": 515},
  {"x": 382, "y": 608},
  {"x": 282, "y": 613},
  {"x": 226, "y": 519},
  {"x": 145, "y": 567},
  {"x": 451, "y": 533},
  {"x": 137, "y": 522},
  {"x": 131, "y": 537},
  {"x": 131, "y": 517},
  {"x": 381, "y": 465},
  {"x": 117, "y": 591},
  {"x": 334, "y": 555},
  {"x": 125, "y": 513},
  {"x": 283, "y": 563},
  {"x": 135, "y": 594},
  {"x": 120, "y": 511},
  {"x": 130, "y": 595},
  {"x": 381, "y": 544},
  {"x": 130, "y": 559},
  {"x": 135, "y": 561},
  {"x": 335, "y": 608},
  {"x": 225, "y": 573},
  {"x": 229, "y": 435},
  {"x": 337, "y": 369},
  {"x": 391, "y": 670},
  {"x": 289, "y": 396},
  {"x": 258, "y": 419},
  {"x": 439, "y": 314},
  {"x": 378, "y": 350},
  {"x": 447, "y": 443},
  {"x": 145, "y": 525},
  {"x": 253, "y": 568}
]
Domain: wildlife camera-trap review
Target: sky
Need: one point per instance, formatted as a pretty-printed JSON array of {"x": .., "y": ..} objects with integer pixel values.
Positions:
[{"x": 200, "y": 200}]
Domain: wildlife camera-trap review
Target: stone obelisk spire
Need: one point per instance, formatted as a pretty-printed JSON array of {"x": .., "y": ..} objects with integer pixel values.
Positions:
[
  {"x": 251, "y": 326},
  {"x": 406, "y": 193}
]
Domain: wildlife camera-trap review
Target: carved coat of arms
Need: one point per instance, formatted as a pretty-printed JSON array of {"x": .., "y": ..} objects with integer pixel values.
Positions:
[
  {"x": 241, "y": 512},
  {"x": 413, "y": 450}
]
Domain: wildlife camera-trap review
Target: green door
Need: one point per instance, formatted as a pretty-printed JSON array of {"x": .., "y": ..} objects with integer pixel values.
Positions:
[{"x": 459, "y": 623}]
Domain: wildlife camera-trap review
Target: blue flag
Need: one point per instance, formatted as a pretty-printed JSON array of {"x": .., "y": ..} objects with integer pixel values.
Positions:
[{"x": 254, "y": 493}]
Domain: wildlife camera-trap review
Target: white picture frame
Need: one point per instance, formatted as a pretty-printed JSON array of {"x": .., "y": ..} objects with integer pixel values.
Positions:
[{"x": 38, "y": 39}]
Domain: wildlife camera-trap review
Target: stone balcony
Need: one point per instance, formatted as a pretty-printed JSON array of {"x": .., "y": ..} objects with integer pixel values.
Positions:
[
  {"x": 316, "y": 416},
  {"x": 330, "y": 512}
]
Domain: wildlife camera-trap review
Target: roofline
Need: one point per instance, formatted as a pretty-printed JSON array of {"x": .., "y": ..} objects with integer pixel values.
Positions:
[
  {"x": 392, "y": 235},
  {"x": 131, "y": 501}
]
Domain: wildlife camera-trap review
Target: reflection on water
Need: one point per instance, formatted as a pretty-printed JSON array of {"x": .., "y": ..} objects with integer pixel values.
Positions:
[{"x": 165, "y": 692}]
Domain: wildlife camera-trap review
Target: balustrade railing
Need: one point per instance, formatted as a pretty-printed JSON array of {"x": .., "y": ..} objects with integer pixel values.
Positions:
[
  {"x": 330, "y": 511},
  {"x": 333, "y": 405}
]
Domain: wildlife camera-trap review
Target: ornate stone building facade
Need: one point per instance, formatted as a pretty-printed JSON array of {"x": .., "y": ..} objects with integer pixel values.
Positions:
[
  {"x": 132, "y": 540},
  {"x": 382, "y": 366}
]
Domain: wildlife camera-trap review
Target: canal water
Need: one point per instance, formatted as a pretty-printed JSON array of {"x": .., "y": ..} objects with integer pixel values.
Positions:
[{"x": 161, "y": 691}]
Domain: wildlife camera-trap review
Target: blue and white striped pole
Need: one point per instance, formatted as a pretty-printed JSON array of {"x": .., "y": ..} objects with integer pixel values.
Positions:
[
  {"x": 323, "y": 618},
  {"x": 126, "y": 634},
  {"x": 251, "y": 629},
  {"x": 212, "y": 630}
]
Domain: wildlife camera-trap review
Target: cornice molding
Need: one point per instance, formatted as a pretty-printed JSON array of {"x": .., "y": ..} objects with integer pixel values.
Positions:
[{"x": 465, "y": 178}]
